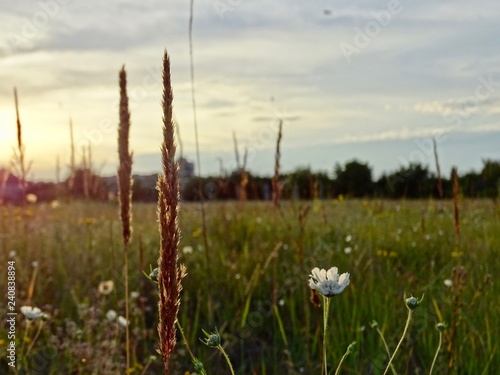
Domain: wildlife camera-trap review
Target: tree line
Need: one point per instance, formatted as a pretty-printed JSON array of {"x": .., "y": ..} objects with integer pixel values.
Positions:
[{"x": 354, "y": 179}]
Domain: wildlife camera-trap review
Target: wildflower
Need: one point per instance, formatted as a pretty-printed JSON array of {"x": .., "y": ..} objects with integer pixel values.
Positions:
[
  {"x": 134, "y": 294},
  {"x": 34, "y": 264},
  {"x": 187, "y": 249},
  {"x": 33, "y": 312},
  {"x": 412, "y": 302},
  {"x": 12, "y": 254},
  {"x": 328, "y": 283},
  {"x": 348, "y": 250},
  {"x": 54, "y": 204},
  {"x": 281, "y": 302},
  {"x": 111, "y": 315},
  {"x": 211, "y": 339},
  {"x": 348, "y": 238},
  {"x": 122, "y": 321},
  {"x": 31, "y": 198},
  {"x": 106, "y": 287},
  {"x": 448, "y": 283}
]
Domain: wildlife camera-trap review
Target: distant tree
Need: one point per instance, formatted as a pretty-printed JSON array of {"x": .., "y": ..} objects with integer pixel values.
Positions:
[
  {"x": 354, "y": 179},
  {"x": 413, "y": 181},
  {"x": 490, "y": 176},
  {"x": 299, "y": 184}
]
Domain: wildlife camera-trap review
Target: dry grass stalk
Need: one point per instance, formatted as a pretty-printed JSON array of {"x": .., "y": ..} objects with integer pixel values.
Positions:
[
  {"x": 236, "y": 152},
  {"x": 277, "y": 155},
  {"x": 244, "y": 178},
  {"x": 438, "y": 170},
  {"x": 72, "y": 165},
  {"x": 19, "y": 160},
  {"x": 170, "y": 273},
  {"x": 85, "y": 175},
  {"x": 4, "y": 174},
  {"x": 455, "y": 203},
  {"x": 58, "y": 170},
  {"x": 125, "y": 189}
]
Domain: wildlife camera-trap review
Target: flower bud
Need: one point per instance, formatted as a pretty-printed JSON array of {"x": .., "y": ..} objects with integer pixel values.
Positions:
[
  {"x": 212, "y": 339},
  {"x": 412, "y": 302},
  {"x": 441, "y": 326}
]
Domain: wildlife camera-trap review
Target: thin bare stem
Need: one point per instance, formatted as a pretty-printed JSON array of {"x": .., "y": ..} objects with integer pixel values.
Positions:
[
  {"x": 437, "y": 352},
  {"x": 407, "y": 325},
  {"x": 438, "y": 169},
  {"x": 198, "y": 161},
  {"x": 386, "y": 348},
  {"x": 277, "y": 155}
]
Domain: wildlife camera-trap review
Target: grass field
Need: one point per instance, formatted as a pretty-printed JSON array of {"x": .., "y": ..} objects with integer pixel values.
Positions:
[{"x": 251, "y": 282}]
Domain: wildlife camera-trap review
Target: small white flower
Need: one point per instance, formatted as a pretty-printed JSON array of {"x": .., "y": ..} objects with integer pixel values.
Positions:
[
  {"x": 348, "y": 250},
  {"x": 348, "y": 238},
  {"x": 33, "y": 312},
  {"x": 54, "y": 204},
  {"x": 31, "y": 198},
  {"x": 122, "y": 321},
  {"x": 281, "y": 302},
  {"x": 134, "y": 294},
  {"x": 106, "y": 287},
  {"x": 12, "y": 254},
  {"x": 448, "y": 283},
  {"x": 111, "y": 315},
  {"x": 328, "y": 283},
  {"x": 34, "y": 264},
  {"x": 187, "y": 249},
  {"x": 237, "y": 276}
]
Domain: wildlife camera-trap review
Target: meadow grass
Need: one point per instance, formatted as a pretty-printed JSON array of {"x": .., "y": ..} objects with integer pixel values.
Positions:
[{"x": 260, "y": 294}]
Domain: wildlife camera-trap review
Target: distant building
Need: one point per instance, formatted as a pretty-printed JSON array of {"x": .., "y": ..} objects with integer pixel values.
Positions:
[{"x": 186, "y": 172}]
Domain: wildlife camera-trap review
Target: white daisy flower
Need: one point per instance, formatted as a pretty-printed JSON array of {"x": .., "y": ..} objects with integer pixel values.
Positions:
[
  {"x": 187, "y": 249},
  {"x": 111, "y": 315},
  {"x": 134, "y": 294},
  {"x": 106, "y": 287},
  {"x": 122, "y": 321},
  {"x": 328, "y": 283},
  {"x": 31, "y": 198},
  {"x": 448, "y": 283},
  {"x": 33, "y": 312}
]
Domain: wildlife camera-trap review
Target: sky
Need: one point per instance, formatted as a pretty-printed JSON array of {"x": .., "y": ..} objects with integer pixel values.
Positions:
[{"x": 372, "y": 80}]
